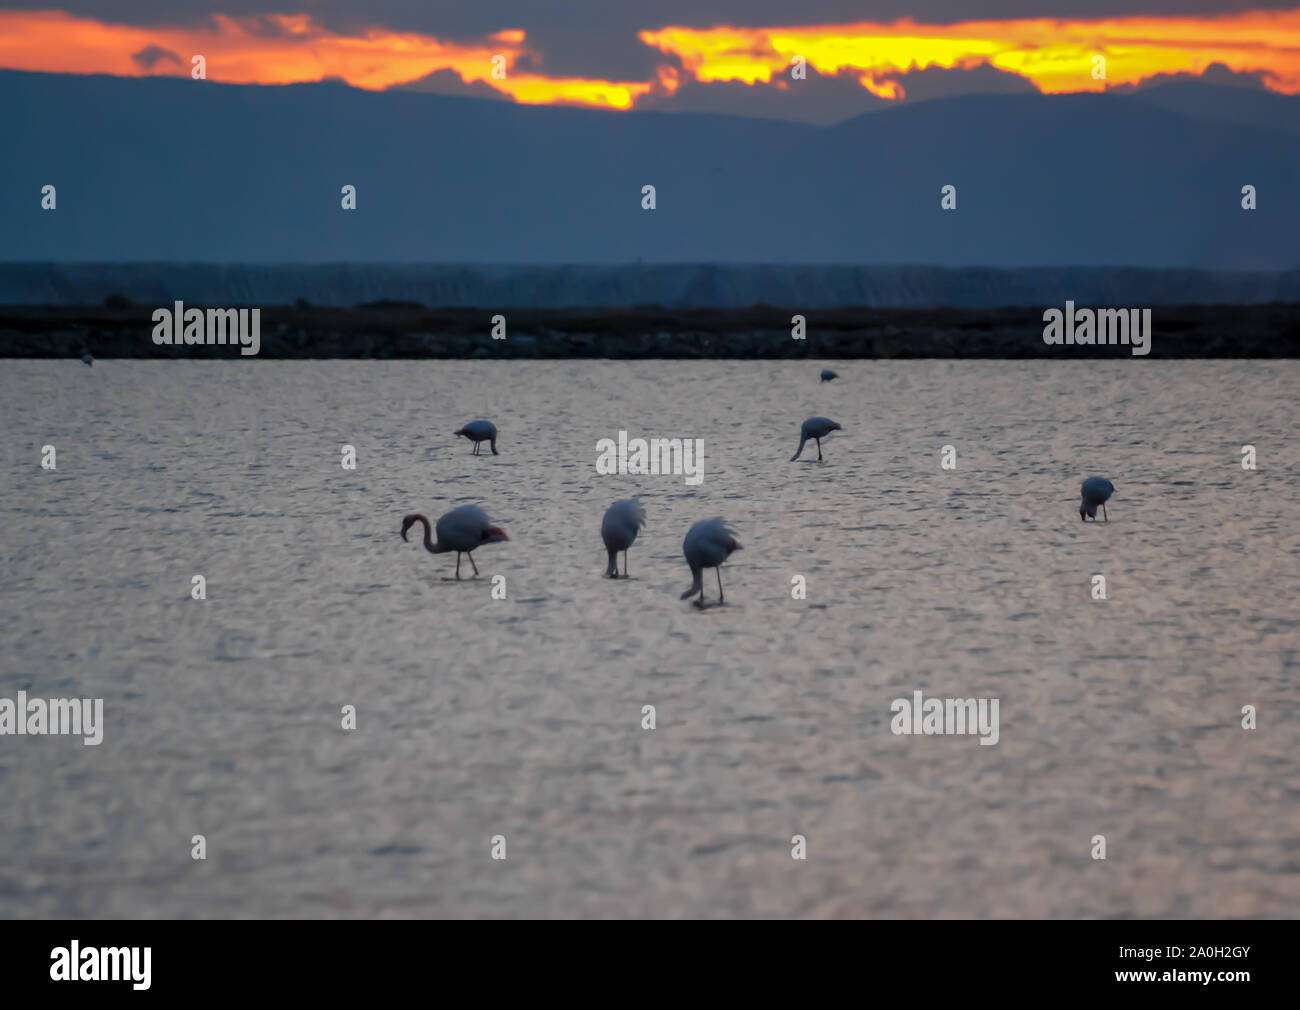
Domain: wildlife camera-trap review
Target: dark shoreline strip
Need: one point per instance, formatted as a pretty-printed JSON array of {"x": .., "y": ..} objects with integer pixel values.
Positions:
[{"x": 406, "y": 330}]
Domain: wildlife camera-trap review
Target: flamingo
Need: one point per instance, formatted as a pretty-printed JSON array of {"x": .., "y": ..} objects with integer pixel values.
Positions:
[
  {"x": 1094, "y": 492},
  {"x": 708, "y": 544},
  {"x": 618, "y": 529},
  {"x": 827, "y": 375},
  {"x": 815, "y": 428},
  {"x": 479, "y": 432},
  {"x": 460, "y": 530}
]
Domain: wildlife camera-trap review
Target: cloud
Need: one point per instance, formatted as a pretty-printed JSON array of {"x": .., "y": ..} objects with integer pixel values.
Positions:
[
  {"x": 458, "y": 21},
  {"x": 150, "y": 55},
  {"x": 943, "y": 82},
  {"x": 1216, "y": 74},
  {"x": 825, "y": 99},
  {"x": 593, "y": 53},
  {"x": 585, "y": 56},
  {"x": 261, "y": 26},
  {"x": 820, "y": 98},
  {"x": 1056, "y": 55}
]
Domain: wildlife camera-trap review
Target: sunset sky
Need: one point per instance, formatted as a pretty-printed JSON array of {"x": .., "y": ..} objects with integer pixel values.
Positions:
[{"x": 673, "y": 55}]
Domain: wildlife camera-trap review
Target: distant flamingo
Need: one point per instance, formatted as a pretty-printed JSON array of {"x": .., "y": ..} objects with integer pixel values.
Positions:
[
  {"x": 460, "y": 530},
  {"x": 708, "y": 544},
  {"x": 618, "y": 529},
  {"x": 479, "y": 432},
  {"x": 827, "y": 375},
  {"x": 815, "y": 428},
  {"x": 1094, "y": 492}
]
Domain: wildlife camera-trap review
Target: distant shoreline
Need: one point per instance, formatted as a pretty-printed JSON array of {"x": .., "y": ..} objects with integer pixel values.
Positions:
[
  {"x": 804, "y": 287},
  {"x": 401, "y": 330}
]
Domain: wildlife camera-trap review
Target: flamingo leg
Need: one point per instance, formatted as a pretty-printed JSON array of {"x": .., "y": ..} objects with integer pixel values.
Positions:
[
  {"x": 819, "y": 450},
  {"x": 1103, "y": 511},
  {"x": 471, "y": 561},
  {"x": 718, "y": 572},
  {"x": 625, "y": 575},
  {"x": 458, "y": 564}
]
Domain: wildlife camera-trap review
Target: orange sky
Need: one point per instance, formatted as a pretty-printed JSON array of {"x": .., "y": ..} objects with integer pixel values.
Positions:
[{"x": 1056, "y": 55}]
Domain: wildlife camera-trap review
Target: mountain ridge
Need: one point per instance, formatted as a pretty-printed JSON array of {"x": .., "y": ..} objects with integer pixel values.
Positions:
[{"x": 163, "y": 168}]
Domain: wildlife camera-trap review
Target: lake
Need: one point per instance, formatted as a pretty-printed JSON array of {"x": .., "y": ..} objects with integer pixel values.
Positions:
[{"x": 522, "y": 717}]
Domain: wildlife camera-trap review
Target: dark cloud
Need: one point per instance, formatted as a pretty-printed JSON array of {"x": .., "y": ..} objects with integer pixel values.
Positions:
[
  {"x": 828, "y": 98},
  {"x": 939, "y": 82},
  {"x": 149, "y": 56},
  {"x": 461, "y": 20},
  {"x": 591, "y": 52},
  {"x": 1215, "y": 73},
  {"x": 262, "y": 27},
  {"x": 821, "y": 98}
]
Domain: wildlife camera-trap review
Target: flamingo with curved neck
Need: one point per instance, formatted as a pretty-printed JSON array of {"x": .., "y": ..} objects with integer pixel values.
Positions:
[
  {"x": 815, "y": 428},
  {"x": 461, "y": 530}
]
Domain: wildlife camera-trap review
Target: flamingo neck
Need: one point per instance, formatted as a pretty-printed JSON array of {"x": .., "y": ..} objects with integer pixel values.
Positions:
[{"x": 429, "y": 545}]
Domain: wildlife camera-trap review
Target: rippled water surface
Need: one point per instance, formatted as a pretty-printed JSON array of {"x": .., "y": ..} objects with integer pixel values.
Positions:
[{"x": 522, "y": 717}]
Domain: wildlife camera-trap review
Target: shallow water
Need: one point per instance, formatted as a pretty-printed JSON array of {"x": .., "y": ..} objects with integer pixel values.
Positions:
[{"x": 522, "y": 717}]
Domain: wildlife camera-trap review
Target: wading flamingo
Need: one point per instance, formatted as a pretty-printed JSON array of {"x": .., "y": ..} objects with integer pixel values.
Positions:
[
  {"x": 815, "y": 428},
  {"x": 618, "y": 529},
  {"x": 460, "y": 530},
  {"x": 1094, "y": 492},
  {"x": 708, "y": 544},
  {"x": 479, "y": 432}
]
